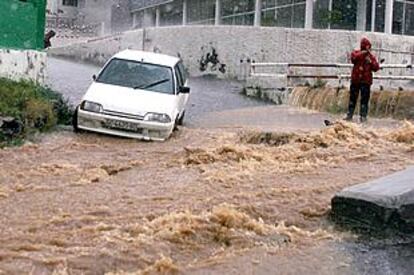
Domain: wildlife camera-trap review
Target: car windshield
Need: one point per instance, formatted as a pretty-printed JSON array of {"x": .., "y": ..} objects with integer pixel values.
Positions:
[{"x": 138, "y": 75}]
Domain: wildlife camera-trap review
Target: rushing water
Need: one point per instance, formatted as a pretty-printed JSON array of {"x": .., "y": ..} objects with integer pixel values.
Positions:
[{"x": 96, "y": 205}]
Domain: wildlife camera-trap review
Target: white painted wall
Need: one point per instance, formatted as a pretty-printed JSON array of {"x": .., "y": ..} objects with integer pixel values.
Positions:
[
  {"x": 27, "y": 65},
  {"x": 235, "y": 43}
]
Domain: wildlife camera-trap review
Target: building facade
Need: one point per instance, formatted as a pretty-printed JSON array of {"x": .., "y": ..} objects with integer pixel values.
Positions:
[
  {"x": 103, "y": 16},
  {"x": 387, "y": 16}
]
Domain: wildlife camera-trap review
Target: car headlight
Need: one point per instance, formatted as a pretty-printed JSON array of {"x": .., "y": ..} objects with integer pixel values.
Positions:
[
  {"x": 91, "y": 107},
  {"x": 163, "y": 118}
]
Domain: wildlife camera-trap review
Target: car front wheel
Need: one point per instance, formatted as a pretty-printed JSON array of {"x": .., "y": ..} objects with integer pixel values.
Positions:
[
  {"x": 181, "y": 119},
  {"x": 75, "y": 121}
]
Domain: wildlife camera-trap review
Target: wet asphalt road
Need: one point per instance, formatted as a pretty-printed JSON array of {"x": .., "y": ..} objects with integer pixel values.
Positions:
[{"x": 213, "y": 98}]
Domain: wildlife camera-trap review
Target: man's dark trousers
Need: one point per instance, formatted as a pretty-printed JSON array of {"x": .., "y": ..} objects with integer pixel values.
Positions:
[{"x": 365, "y": 95}]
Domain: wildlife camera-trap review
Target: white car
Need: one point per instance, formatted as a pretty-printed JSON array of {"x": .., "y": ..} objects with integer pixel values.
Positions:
[{"x": 138, "y": 95}]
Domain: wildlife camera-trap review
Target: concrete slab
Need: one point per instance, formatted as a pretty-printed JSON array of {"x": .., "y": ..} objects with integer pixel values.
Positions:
[{"x": 384, "y": 203}]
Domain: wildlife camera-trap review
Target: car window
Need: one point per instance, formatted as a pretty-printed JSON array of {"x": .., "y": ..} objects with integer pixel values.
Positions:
[
  {"x": 138, "y": 75},
  {"x": 179, "y": 77},
  {"x": 183, "y": 72}
]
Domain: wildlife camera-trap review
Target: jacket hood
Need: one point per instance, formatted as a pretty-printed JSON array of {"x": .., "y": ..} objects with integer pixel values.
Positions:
[{"x": 365, "y": 44}]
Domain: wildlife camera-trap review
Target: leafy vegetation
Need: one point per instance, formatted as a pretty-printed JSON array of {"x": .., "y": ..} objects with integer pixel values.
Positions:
[
  {"x": 35, "y": 108},
  {"x": 319, "y": 83}
]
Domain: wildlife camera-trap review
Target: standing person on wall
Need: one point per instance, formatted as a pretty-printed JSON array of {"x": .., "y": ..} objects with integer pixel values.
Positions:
[{"x": 364, "y": 64}]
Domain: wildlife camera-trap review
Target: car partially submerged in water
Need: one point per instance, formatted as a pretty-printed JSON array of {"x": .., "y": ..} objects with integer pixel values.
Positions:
[{"x": 138, "y": 95}]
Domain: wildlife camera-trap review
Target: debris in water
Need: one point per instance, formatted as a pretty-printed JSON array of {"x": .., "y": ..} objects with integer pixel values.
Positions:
[
  {"x": 227, "y": 216},
  {"x": 273, "y": 139},
  {"x": 404, "y": 134},
  {"x": 224, "y": 153},
  {"x": 92, "y": 176},
  {"x": 20, "y": 188},
  {"x": 297, "y": 234},
  {"x": 61, "y": 269},
  {"x": 224, "y": 226},
  {"x": 314, "y": 213},
  {"x": 54, "y": 168},
  {"x": 165, "y": 265},
  {"x": 115, "y": 169},
  {"x": 3, "y": 194}
]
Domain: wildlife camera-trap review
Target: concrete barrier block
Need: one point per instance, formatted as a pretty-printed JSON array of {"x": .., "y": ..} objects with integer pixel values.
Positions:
[{"x": 385, "y": 203}]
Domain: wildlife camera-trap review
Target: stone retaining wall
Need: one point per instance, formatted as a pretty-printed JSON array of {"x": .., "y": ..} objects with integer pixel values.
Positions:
[{"x": 23, "y": 64}]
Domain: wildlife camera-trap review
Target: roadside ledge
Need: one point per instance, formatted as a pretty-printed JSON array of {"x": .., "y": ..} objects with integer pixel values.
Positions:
[{"x": 385, "y": 203}]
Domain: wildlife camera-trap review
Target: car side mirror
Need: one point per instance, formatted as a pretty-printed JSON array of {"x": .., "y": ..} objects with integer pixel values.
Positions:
[
  {"x": 94, "y": 77},
  {"x": 184, "y": 90}
]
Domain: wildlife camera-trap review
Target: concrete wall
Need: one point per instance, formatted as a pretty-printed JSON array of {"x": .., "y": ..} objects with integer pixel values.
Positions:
[
  {"x": 121, "y": 16},
  {"x": 93, "y": 12},
  {"x": 28, "y": 65},
  {"x": 197, "y": 45}
]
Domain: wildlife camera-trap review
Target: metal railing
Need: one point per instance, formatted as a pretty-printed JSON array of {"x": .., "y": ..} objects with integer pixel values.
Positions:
[{"x": 289, "y": 75}]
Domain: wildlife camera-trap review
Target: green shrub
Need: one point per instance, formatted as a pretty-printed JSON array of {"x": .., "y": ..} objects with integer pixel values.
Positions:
[
  {"x": 37, "y": 108},
  {"x": 259, "y": 92},
  {"x": 39, "y": 114},
  {"x": 243, "y": 91},
  {"x": 319, "y": 83}
]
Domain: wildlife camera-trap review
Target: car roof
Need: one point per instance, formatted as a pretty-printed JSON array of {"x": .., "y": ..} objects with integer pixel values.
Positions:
[{"x": 148, "y": 57}]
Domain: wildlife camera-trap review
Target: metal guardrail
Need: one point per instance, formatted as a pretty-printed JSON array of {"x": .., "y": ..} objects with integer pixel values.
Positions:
[
  {"x": 287, "y": 75},
  {"x": 382, "y": 50}
]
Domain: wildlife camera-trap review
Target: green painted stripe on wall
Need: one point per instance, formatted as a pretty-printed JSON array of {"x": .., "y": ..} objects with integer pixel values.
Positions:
[{"x": 22, "y": 24}]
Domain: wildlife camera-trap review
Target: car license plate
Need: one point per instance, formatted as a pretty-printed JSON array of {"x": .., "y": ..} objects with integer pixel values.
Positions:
[{"x": 122, "y": 125}]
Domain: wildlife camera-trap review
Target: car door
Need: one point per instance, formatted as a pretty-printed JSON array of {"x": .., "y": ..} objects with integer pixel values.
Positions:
[
  {"x": 181, "y": 97},
  {"x": 182, "y": 75}
]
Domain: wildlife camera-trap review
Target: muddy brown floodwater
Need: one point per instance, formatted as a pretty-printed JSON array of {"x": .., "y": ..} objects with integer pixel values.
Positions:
[{"x": 207, "y": 201}]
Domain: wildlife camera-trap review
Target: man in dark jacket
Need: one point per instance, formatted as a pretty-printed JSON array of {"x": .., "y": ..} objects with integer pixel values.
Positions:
[
  {"x": 49, "y": 35},
  {"x": 364, "y": 64}
]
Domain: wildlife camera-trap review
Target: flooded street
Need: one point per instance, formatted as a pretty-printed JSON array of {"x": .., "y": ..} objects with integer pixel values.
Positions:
[
  {"x": 208, "y": 94},
  {"x": 214, "y": 103},
  {"x": 242, "y": 188}
]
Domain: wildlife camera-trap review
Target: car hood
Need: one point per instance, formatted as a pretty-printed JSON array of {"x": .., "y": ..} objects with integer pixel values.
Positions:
[{"x": 131, "y": 101}]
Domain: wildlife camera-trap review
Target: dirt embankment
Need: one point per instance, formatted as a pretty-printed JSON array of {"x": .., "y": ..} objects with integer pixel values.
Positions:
[
  {"x": 395, "y": 104},
  {"x": 90, "y": 204}
]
